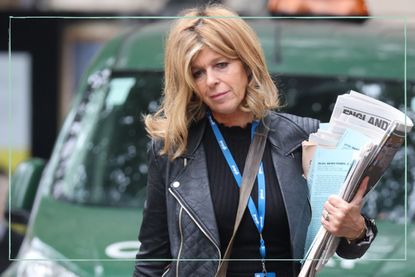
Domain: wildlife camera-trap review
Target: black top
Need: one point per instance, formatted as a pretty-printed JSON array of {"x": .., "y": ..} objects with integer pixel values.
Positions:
[{"x": 225, "y": 196}]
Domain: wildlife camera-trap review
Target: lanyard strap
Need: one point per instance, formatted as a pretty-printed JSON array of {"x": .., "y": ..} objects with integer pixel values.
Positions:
[{"x": 257, "y": 216}]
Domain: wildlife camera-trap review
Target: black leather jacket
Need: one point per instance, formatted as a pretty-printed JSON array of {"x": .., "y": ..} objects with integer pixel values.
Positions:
[{"x": 179, "y": 235}]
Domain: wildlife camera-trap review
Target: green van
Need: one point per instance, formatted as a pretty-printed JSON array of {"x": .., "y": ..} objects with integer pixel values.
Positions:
[{"x": 86, "y": 203}]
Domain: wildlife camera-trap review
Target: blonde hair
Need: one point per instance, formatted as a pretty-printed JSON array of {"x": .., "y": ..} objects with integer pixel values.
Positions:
[{"x": 226, "y": 33}]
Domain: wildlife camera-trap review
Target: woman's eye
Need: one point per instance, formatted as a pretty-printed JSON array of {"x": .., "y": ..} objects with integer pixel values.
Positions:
[
  {"x": 222, "y": 65},
  {"x": 196, "y": 74}
]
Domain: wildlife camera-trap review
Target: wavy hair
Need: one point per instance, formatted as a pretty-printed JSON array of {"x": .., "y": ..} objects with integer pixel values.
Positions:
[{"x": 224, "y": 32}]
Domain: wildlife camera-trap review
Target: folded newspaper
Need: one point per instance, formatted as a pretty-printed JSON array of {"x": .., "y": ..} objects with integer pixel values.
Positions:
[{"x": 360, "y": 140}]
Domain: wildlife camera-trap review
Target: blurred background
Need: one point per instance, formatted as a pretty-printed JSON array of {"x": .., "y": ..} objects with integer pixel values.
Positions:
[{"x": 53, "y": 43}]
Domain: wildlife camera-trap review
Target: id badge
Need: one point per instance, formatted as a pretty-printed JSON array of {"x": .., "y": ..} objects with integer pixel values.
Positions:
[{"x": 268, "y": 274}]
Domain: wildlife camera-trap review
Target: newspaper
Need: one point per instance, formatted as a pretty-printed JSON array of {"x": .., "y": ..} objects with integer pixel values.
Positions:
[{"x": 373, "y": 131}]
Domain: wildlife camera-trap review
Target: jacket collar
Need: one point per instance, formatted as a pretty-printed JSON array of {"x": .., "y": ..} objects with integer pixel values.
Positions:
[{"x": 195, "y": 136}]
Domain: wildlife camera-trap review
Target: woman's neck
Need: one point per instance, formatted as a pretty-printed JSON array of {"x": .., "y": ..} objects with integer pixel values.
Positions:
[{"x": 237, "y": 118}]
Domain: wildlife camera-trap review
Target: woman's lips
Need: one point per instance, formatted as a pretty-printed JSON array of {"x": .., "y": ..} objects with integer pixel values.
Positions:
[{"x": 218, "y": 96}]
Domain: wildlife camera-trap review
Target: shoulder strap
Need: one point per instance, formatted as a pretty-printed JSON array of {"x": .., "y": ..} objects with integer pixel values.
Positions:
[{"x": 253, "y": 159}]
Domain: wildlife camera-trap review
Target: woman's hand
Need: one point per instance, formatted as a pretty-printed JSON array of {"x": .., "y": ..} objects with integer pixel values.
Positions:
[{"x": 344, "y": 219}]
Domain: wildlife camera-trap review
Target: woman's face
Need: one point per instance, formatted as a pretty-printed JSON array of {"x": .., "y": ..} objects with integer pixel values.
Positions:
[{"x": 220, "y": 83}]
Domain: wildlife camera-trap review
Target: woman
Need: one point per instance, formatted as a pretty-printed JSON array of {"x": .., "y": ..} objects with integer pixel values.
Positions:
[{"x": 217, "y": 85}]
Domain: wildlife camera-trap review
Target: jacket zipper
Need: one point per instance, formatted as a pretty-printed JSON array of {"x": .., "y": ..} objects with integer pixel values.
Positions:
[
  {"x": 165, "y": 272},
  {"x": 197, "y": 224},
  {"x": 181, "y": 241}
]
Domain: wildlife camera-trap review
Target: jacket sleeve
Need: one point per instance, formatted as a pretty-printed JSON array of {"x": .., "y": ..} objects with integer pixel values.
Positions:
[
  {"x": 356, "y": 249},
  {"x": 154, "y": 252}
]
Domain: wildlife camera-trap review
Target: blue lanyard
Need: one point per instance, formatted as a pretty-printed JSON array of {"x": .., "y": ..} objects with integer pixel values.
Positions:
[{"x": 257, "y": 216}]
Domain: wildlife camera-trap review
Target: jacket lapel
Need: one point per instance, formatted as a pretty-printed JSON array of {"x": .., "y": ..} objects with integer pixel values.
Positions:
[
  {"x": 193, "y": 184},
  {"x": 294, "y": 190}
]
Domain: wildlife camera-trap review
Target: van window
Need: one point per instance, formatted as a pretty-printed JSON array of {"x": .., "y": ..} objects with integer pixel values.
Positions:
[{"x": 106, "y": 160}]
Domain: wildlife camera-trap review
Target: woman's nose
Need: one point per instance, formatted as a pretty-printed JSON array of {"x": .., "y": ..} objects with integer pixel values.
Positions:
[{"x": 211, "y": 78}]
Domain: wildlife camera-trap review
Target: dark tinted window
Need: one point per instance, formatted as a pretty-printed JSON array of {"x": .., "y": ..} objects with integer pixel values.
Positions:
[{"x": 106, "y": 160}]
